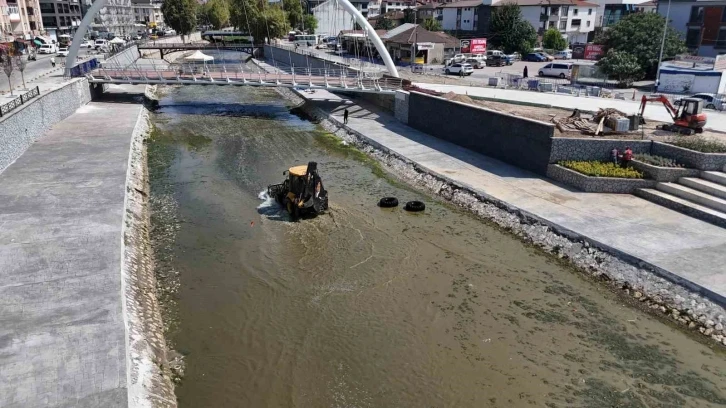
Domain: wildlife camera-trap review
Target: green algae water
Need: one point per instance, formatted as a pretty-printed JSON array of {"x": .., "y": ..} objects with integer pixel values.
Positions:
[{"x": 372, "y": 307}]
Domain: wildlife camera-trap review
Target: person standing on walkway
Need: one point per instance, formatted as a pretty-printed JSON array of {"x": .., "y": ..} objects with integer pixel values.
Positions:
[
  {"x": 345, "y": 117},
  {"x": 627, "y": 157},
  {"x": 524, "y": 73},
  {"x": 52, "y": 61}
]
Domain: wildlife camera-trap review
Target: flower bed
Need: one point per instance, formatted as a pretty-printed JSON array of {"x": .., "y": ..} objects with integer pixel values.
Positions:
[
  {"x": 598, "y": 184},
  {"x": 699, "y": 144},
  {"x": 690, "y": 157},
  {"x": 663, "y": 174},
  {"x": 602, "y": 169},
  {"x": 658, "y": 161}
]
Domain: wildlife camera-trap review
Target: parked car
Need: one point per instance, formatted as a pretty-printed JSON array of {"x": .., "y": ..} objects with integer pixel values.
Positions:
[
  {"x": 480, "y": 57},
  {"x": 475, "y": 63},
  {"x": 63, "y": 51},
  {"x": 459, "y": 57},
  {"x": 535, "y": 57},
  {"x": 548, "y": 56},
  {"x": 514, "y": 56},
  {"x": 563, "y": 55},
  {"x": 494, "y": 53},
  {"x": 556, "y": 69},
  {"x": 100, "y": 43},
  {"x": 87, "y": 44},
  {"x": 710, "y": 101},
  {"x": 459, "y": 68},
  {"x": 496, "y": 61},
  {"x": 46, "y": 49}
]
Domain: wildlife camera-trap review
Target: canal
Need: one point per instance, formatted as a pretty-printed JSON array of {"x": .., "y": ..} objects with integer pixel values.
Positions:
[{"x": 372, "y": 307}]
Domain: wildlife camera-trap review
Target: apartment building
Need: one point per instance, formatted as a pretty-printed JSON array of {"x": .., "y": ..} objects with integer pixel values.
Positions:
[
  {"x": 60, "y": 16},
  {"x": 148, "y": 12},
  {"x": 19, "y": 20},
  {"x": 116, "y": 17},
  {"x": 701, "y": 23},
  {"x": 575, "y": 19},
  {"x": 612, "y": 11}
]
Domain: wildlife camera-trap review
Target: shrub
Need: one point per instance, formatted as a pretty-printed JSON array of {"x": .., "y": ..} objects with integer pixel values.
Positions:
[
  {"x": 601, "y": 169},
  {"x": 657, "y": 160},
  {"x": 700, "y": 144}
]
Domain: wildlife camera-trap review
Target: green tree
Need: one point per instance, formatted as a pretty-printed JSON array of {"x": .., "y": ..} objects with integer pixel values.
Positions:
[
  {"x": 510, "y": 31},
  {"x": 310, "y": 23},
  {"x": 260, "y": 18},
  {"x": 202, "y": 14},
  {"x": 217, "y": 12},
  {"x": 382, "y": 23},
  {"x": 622, "y": 66},
  {"x": 552, "y": 38},
  {"x": 432, "y": 25},
  {"x": 181, "y": 15},
  {"x": 640, "y": 35},
  {"x": 294, "y": 11}
]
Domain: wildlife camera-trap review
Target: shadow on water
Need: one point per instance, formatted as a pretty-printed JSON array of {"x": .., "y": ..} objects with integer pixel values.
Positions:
[{"x": 372, "y": 307}]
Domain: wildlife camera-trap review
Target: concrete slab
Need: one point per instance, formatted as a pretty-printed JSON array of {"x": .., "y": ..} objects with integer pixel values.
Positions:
[
  {"x": 62, "y": 331},
  {"x": 716, "y": 120},
  {"x": 689, "y": 248}
]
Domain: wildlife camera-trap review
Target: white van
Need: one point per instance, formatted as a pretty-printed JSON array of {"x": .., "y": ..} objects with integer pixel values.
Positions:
[
  {"x": 556, "y": 69},
  {"x": 306, "y": 40},
  {"x": 100, "y": 43},
  {"x": 47, "y": 49},
  {"x": 495, "y": 53}
]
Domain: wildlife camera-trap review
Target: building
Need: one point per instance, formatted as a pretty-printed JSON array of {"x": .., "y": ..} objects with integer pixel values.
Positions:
[
  {"x": 60, "y": 17},
  {"x": 116, "y": 18},
  {"x": 148, "y": 12},
  {"x": 368, "y": 8},
  {"x": 396, "y": 18},
  {"x": 612, "y": 11},
  {"x": 432, "y": 47},
  {"x": 19, "y": 20},
  {"x": 428, "y": 10},
  {"x": 575, "y": 19},
  {"x": 331, "y": 18},
  {"x": 398, "y": 5},
  {"x": 700, "y": 23}
]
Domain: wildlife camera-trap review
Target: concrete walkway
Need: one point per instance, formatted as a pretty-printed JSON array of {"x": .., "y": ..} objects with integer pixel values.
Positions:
[
  {"x": 62, "y": 333},
  {"x": 689, "y": 248},
  {"x": 654, "y": 111}
]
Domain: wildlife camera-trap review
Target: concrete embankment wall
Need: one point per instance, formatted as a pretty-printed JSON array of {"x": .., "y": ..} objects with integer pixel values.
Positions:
[
  {"x": 20, "y": 128},
  {"x": 288, "y": 58},
  {"x": 523, "y": 142}
]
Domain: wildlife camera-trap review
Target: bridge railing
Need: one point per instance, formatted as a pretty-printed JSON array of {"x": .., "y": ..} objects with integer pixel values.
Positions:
[{"x": 351, "y": 62}]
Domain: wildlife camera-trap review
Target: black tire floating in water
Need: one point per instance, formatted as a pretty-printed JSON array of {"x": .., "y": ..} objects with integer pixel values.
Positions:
[
  {"x": 415, "y": 206},
  {"x": 388, "y": 202}
]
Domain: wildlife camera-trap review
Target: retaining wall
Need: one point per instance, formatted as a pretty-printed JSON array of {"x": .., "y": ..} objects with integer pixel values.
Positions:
[
  {"x": 565, "y": 148},
  {"x": 20, "y": 128},
  {"x": 290, "y": 58},
  {"x": 400, "y": 107},
  {"x": 690, "y": 158},
  {"x": 664, "y": 174},
  {"x": 597, "y": 184},
  {"x": 523, "y": 142}
]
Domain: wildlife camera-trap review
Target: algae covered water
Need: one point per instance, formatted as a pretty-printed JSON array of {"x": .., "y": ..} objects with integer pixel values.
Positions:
[{"x": 372, "y": 307}]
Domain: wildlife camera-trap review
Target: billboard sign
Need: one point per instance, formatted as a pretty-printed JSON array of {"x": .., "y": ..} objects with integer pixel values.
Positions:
[
  {"x": 594, "y": 51},
  {"x": 474, "y": 45},
  {"x": 425, "y": 46}
]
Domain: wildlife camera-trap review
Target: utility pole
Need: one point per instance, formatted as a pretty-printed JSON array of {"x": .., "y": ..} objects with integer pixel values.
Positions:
[
  {"x": 415, "y": 39},
  {"x": 662, "y": 45}
]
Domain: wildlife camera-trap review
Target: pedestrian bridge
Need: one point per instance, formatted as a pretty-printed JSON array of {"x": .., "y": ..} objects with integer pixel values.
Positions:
[
  {"x": 172, "y": 47},
  {"x": 341, "y": 80}
]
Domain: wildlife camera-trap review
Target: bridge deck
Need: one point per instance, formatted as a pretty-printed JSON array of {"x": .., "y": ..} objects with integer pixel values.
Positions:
[{"x": 198, "y": 46}]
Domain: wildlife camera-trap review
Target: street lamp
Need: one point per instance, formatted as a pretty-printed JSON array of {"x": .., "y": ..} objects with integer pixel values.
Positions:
[{"x": 662, "y": 45}]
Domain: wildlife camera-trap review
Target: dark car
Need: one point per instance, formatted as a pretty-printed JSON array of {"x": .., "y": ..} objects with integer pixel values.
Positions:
[
  {"x": 496, "y": 61},
  {"x": 535, "y": 57}
]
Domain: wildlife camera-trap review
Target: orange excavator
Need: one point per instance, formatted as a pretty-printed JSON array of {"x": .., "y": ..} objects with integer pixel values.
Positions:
[{"x": 687, "y": 118}]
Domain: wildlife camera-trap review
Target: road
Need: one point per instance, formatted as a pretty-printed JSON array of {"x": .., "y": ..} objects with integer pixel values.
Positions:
[{"x": 33, "y": 70}]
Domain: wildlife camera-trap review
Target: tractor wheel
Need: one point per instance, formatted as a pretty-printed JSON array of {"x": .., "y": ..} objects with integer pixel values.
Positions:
[
  {"x": 415, "y": 206},
  {"x": 388, "y": 202}
]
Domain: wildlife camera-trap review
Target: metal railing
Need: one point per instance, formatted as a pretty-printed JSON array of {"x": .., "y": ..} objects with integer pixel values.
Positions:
[
  {"x": 19, "y": 101},
  {"x": 354, "y": 63}
]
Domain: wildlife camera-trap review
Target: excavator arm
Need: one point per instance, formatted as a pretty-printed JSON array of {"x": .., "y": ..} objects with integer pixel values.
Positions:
[{"x": 659, "y": 98}]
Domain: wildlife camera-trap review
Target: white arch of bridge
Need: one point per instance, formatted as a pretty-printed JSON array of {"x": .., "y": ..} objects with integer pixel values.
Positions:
[{"x": 347, "y": 5}]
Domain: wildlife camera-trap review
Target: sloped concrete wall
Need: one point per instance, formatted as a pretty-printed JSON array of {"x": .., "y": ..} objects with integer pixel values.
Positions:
[{"x": 20, "y": 128}]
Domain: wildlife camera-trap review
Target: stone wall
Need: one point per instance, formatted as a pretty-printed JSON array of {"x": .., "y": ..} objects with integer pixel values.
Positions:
[
  {"x": 380, "y": 100},
  {"x": 664, "y": 174},
  {"x": 523, "y": 142},
  {"x": 565, "y": 148},
  {"x": 289, "y": 58},
  {"x": 596, "y": 184},
  {"x": 20, "y": 128},
  {"x": 400, "y": 109},
  {"x": 690, "y": 158}
]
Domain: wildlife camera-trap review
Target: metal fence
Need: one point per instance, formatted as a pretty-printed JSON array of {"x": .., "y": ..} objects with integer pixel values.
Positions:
[{"x": 19, "y": 101}]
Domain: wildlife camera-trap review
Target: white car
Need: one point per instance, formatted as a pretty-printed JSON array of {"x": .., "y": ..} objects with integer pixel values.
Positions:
[
  {"x": 459, "y": 68},
  {"x": 63, "y": 51},
  {"x": 87, "y": 44},
  {"x": 563, "y": 55},
  {"x": 46, "y": 49},
  {"x": 100, "y": 43},
  {"x": 710, "y": 101},
  {"x": 556, "y": 69}
]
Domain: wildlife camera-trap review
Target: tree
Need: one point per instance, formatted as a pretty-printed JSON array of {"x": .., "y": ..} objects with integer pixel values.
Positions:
[
  {"x": 622, "y": 66},
  {"x": 382, "y": 23},
  {"x": 181, "y": 15},
  {"x": 640, "y": 35},
  {"x": 432, "y": 25},
  {"x": 310, "y": 23},
  {"x": 552, "y": 38},
  {"x": 6, "y": 62},
  {"x": 260, "y": 18},
  {"x": 510, "y": 31},
  {"x": 21, "y": 63},
  {"x": 217, "y": 11},
  {"x": 294, "y": 11}
]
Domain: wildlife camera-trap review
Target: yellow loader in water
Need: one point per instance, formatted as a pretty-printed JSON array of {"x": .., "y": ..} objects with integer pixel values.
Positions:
[{"x": 302, "y": 194}]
